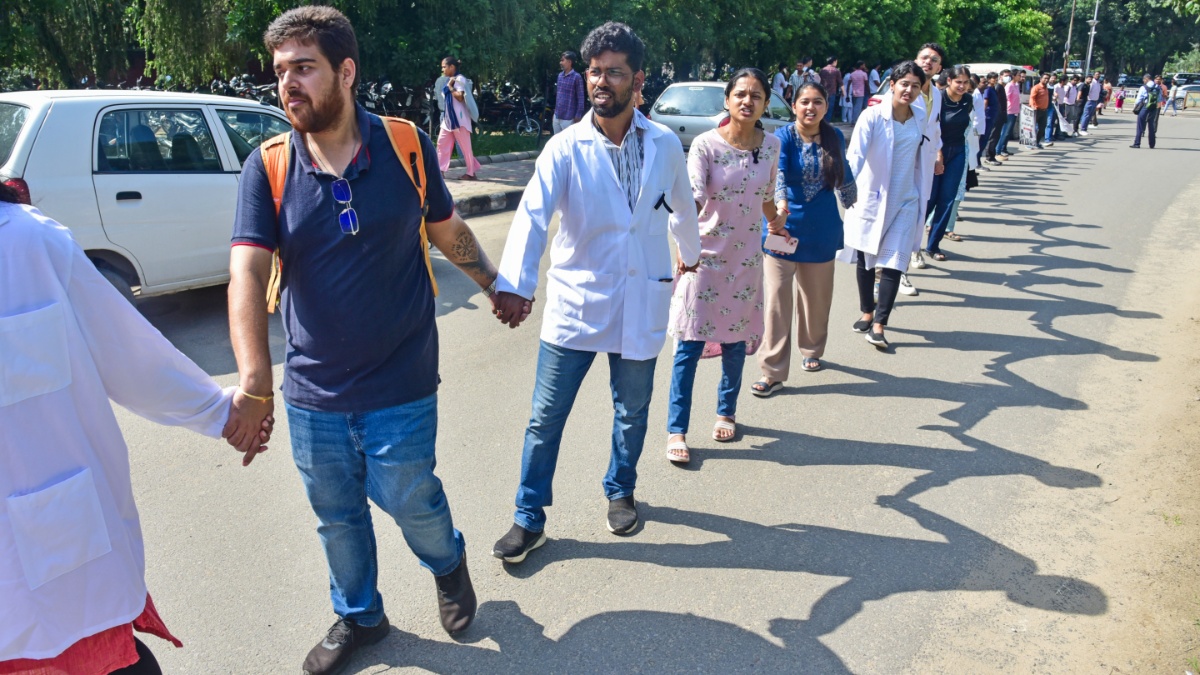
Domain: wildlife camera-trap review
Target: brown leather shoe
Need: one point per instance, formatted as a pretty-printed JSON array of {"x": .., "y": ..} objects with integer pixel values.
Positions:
[{"x": 456, "y": 599}]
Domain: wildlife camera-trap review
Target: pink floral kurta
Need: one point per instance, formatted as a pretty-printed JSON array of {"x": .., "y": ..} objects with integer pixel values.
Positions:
[{"x": 722, "y": 301}]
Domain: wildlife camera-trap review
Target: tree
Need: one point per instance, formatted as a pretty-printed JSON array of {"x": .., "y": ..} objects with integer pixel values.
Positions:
[{"x": 61, "y": 41}]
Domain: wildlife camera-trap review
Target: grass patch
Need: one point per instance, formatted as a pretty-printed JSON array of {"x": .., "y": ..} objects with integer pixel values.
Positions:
[{"x": 499, "y": 142}]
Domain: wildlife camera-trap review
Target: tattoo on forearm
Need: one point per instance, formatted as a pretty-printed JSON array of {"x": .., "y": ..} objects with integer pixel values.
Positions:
[
  {"x": 465, "y": 249},
  {"x": 466, "y": 255}
]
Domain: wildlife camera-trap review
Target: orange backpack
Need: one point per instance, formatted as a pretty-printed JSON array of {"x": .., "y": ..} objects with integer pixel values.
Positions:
[{"x": 407, "y": 144}]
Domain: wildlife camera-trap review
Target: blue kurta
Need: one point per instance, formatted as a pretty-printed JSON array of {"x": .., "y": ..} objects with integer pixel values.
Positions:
[{"x": 814, "y": 219}]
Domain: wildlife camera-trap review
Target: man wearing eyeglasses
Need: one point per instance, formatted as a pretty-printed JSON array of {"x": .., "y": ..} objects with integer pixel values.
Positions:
[
  {"x": 619, "y": 183},
  {"x": 361, "y": 376}
]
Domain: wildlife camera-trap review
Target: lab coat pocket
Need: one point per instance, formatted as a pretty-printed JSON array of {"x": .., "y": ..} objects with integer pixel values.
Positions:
[
  {"x": 37, "y": 360},
  {"x": 58, "y": 528},
  {"x": 583, "y": 295},
  {"x": 658, "y": 304}
]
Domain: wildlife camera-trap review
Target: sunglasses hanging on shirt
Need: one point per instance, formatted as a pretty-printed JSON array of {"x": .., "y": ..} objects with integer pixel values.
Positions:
[{"x": 348, "y": 218}]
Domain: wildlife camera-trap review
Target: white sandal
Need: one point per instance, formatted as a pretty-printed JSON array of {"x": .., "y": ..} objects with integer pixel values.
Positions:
[
  {"x": 678, "y": 451},
  {"x": 724, "y": 425}
]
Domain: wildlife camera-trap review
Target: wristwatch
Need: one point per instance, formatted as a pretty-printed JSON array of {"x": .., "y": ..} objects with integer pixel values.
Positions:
[{"x": 490, "y": 290}]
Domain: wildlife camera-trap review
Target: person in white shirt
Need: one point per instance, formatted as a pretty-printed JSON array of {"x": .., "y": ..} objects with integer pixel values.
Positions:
[
  {"x": 72, "y": 561},
  {"x": 456, "y": 120},
  {"x": 780, "y": 82},
  {"x": 618, "y": 183},
  {"x": 873, "y": 80}
]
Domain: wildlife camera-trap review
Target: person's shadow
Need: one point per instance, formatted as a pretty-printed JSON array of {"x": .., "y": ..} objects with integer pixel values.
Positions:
[
  {"x": 609, "y": 642},
  {"x": 876, "y": 566}
]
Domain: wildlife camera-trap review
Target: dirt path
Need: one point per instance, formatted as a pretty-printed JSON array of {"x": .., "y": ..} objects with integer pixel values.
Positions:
[{"x": 1137, "y": 536}]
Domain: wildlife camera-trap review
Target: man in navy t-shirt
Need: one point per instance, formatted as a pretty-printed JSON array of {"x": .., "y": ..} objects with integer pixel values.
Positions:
[{"x": 361, "y": 378}]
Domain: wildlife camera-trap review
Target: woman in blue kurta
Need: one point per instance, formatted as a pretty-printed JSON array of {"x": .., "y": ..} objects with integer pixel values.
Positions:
[{"x": 812, "y": 166}]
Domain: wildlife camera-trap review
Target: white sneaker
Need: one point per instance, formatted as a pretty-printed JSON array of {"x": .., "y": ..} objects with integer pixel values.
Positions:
[
  {"x": 918, "y": 260},
  {"x": 1083, "y": 133},
  {"x": 906, "y": 287}
]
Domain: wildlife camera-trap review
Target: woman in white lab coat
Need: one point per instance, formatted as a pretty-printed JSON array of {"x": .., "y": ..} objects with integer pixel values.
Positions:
[
  {"x": 72, "y": 585},
  {"x": 883, "y": 227}
]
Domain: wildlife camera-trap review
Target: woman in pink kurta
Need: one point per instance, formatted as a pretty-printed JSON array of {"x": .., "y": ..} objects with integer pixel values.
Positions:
[{"x": 718, "y": 309}]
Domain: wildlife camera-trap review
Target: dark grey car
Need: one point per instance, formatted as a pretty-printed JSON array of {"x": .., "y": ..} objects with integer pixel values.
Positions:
[{"x": 692, "y": 108}]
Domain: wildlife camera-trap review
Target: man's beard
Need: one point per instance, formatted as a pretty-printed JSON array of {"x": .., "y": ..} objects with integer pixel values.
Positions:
[
  {"x": 317, "y": 116},
  {"x": 617, "y": 104}
]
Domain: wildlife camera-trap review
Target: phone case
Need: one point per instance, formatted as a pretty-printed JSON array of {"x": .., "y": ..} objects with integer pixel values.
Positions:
[{"x": 781, "y": 244}]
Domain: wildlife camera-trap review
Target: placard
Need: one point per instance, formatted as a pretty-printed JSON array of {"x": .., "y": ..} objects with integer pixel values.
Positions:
[{"x": 1028, "y": 122}]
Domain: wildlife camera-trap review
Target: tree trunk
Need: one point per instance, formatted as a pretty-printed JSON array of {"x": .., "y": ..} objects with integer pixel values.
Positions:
[{"x": 54, "y": 49}]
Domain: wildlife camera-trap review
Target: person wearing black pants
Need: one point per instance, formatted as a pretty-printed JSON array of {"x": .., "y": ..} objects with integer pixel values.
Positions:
[
  {"x": 145, "y": 665},
  {"x": 1147, "y": 118},
  {"x": 889, "y": 286}
]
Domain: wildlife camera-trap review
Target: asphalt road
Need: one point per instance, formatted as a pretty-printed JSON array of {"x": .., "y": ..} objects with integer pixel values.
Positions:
[{"x": 827, "y": 538}]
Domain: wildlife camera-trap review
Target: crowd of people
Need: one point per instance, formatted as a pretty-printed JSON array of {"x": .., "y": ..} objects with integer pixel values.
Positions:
[{"x": 334, "y": 223}]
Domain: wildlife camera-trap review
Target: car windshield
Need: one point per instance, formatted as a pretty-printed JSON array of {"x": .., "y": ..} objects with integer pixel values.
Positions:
[
  {"x": 691, "y": 101},
  {"x": 12, "y": 119}
]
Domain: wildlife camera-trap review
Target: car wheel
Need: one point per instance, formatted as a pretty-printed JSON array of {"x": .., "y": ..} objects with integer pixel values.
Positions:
[{"x": 119, "y": 282}]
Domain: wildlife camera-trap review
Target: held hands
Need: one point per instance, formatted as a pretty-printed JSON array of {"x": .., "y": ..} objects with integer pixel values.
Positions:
[
  {"x": 779, "y": 224},
  {"x": 249, "y": 426},
  {"x": 682, "y": 269},
  {"x": 510, "y": 308}
]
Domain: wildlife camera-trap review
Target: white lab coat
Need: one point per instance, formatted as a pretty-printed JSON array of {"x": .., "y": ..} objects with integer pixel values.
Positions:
[
  {"x": 976, "y": 130},
  {"x": 610, "y": 279},
  {"x": 933, "y": 140},
  {"x": 71, "y": 557},
  {"x": 870, "y": 156}
]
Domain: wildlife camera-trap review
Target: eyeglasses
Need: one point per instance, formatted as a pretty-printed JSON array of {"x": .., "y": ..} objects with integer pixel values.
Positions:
[{"x": 347, "y": 219}]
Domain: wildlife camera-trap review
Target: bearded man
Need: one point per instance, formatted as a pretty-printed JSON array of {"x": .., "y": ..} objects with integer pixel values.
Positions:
[
  {"x": 619, "y": 182},
  {"x": 361, "y": 376}
]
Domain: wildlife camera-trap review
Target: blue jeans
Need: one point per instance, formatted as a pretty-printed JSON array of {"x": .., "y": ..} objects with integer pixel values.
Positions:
[
  {"x": 945, "y": 189},
  {"x": 683, "y": 376},
  {"x": 1005, "y": 131},
  {"x": 860, "y": 104},
  {"x": 386, "y": 456},
  {"x": 560, "y": 372},
  {"x": 1089, "y": 114}
]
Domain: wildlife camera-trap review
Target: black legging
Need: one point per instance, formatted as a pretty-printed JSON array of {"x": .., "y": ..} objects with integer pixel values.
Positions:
[
  {"x": 146, "y": 663},
  {"x": 889, "y": 286}
]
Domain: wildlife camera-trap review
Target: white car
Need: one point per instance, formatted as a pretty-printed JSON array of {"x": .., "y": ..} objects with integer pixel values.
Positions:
[
  {"x": 146, "y": 181},
  {"x": 691, "y": 108}
]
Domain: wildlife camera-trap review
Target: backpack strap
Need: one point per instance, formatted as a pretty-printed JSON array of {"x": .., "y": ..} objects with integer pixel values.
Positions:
[
  {"x": 275, "y": 154},
  {"x": 407, "y": 144}
]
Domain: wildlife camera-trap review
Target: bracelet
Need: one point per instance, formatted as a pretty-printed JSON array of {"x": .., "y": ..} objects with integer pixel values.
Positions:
[
  {"x": 252, "y": 397},
  {"x": 490, "y": 290}
]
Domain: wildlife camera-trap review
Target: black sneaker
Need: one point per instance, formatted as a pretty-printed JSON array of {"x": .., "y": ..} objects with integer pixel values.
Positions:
[
  {"x": 622, "y": 515},
  {"x": 514, "y": 546},
  {"x": 456, "y": 599},
  {"x": 876, "y": 338},
  {"x": 862, "y": 326},
  {"x": 332, "y": 654}
]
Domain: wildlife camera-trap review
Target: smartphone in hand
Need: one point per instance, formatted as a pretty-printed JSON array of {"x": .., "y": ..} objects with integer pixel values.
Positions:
[{"x": 780, "y": 244}]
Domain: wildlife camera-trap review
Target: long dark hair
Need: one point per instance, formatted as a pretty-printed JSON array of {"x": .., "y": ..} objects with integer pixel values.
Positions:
[
  {"x": 833, "y": 166},
  {"x": 9, "y": 194},
  {"x": 748, "y": 72}
]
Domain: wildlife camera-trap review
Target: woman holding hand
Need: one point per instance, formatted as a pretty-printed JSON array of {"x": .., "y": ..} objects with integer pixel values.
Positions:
[
  {"x": 884, "y": 226},
  {"x": 812, "y": 166},
  {"x": 718, "y": 309}
]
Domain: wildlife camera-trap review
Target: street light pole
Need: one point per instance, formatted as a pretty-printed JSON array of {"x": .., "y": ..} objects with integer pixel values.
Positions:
[
  {"x": 1091, "y": 37},
  {"x": 1067, "y": 46}
]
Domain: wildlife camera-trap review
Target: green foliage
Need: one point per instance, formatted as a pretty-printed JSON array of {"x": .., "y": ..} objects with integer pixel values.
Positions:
[
  {"x": 1185, "y": 62},
  {"x": 61, "y": 41},
  {"x": 520, "y": 40}
]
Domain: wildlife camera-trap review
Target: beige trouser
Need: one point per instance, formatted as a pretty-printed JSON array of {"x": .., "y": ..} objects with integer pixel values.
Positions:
[{"x": 812, "y": 284}]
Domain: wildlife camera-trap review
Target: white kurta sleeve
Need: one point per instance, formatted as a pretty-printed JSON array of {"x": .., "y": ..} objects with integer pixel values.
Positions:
[
  {"x": 685, "y": 227},
  {"x": 141, "y": 370},
  {"x": 860, "y": 139},
  {"x": 527, "y": 236}
]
